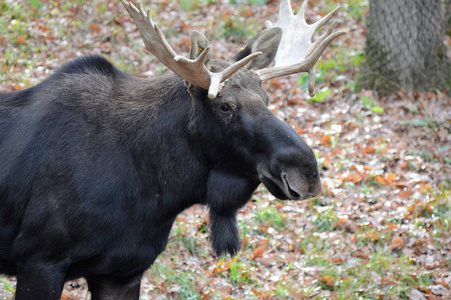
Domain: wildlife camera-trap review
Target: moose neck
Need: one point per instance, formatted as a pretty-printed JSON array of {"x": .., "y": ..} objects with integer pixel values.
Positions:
[
  {"x": 190, "y": 145},
  {"x": 160, "y": 112},
  {"x": 161, "y": 121}
]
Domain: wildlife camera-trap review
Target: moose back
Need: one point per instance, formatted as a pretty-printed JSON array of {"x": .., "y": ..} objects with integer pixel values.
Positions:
[{"x": 95, "y": 164}]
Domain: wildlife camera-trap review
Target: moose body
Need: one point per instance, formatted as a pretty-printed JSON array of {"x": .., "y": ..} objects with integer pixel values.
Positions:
[{"x": 96, "y": 164}]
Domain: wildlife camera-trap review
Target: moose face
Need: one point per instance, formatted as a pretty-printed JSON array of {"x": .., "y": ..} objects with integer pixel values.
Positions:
[{"x": 259, "y": 141}]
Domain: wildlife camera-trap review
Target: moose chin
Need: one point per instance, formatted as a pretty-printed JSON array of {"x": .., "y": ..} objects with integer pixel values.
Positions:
[{"x": 95, "y": 164}]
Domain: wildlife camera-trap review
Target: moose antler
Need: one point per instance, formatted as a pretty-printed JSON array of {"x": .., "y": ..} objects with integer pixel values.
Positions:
[
  {"x": 296, "y": 51},
  {"x": 194, "y": 71}
]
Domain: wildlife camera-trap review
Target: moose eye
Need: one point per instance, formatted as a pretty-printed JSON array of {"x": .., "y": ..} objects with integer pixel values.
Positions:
[{"x": 224, "y": 107}]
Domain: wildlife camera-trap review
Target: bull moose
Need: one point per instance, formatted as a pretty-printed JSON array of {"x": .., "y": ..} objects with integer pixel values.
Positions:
[{"x": 95, "y": 164}]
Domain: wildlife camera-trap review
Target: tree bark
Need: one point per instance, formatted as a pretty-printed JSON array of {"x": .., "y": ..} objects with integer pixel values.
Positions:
[{"x": 405, "y": 47}]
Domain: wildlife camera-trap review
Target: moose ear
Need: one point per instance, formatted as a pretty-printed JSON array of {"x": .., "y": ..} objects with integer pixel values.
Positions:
[
  {"x": 198, "y": 44},
  {"x": 266, "y": 41}
]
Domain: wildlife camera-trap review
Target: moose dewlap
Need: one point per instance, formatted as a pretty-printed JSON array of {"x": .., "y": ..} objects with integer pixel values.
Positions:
[{"x": 95, "y": 164}]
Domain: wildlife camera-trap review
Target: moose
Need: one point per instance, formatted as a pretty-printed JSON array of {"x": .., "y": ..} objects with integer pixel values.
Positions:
[{"x": 95, "y": 164}]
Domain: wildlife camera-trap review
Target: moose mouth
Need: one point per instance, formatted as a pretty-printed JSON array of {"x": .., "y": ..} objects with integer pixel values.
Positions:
[
  {"x": 276, "y": 191},
  {"x": 284, "y": 188}
]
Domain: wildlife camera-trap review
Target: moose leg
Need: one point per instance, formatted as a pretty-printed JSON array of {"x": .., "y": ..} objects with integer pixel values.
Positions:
[
  {"x": 224, "y": 233},
  {"x": 40, "y": 281},
  {"x": 114, "y": 287},
  {"x": 225, "y": 195}
]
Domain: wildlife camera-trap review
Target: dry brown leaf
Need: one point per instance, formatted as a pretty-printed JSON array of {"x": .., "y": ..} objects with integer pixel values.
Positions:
[
  {"x": 94, "y": 27},
  {"x": 21, "y": 40},
  {"x": 258, "y": 252},
  {"x": 360, "y": 253},
  {"x": 397, "y": 243},
  {"x": 329, "y": 281}
]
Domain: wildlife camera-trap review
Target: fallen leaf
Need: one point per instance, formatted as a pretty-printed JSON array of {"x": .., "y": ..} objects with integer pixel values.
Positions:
[
  {"x": 329, "y": 281},
  {"x": 367, "y": 150},
  {"x": 397, "y": 243},
  {"x": 276, "y": 83},
  {"x": 95, "y": 27},
  {"x": 360, "y": 253},
  {"x": 21, "y": 40},
  {"x": 416, "y": 295},
  {"x": 258, "y": 252},
  {"x": 389, "y": 281},
  {"x": 406, "y": 193}
]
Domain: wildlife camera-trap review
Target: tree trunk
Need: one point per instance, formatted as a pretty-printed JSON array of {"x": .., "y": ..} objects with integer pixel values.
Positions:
[{"x": 405, "y": 47}]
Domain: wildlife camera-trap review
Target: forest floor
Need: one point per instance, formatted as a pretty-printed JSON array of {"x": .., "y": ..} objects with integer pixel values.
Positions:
[{"x": 381, "y": 228}]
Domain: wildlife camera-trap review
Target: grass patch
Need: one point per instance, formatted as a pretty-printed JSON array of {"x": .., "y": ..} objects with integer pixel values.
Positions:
[
  {"x": 354, "y": 9},
  {"x": 176, "y": 282},
  {"x": 325, "y": 219},
  {"x": 6, "y": 286},
  {"x": 270, "y": 217},
  {"x": 250, "y": 2},
  {"x": 369, "y": 103},
  {"x": 194, "y": 4},
  {"x": 235, "y": 29}
]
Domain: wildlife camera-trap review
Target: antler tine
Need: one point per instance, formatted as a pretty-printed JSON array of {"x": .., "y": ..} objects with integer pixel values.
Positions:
[
  {"x": 301, "y": 13},
  {"x": 239, "y": 64},
  {"x": 326, "y": 18},
  {"x": 323, "y": 37},
  {"x": 296, "y": 51},
  {"x": 305, "y": 65},
  {"x": 194, "y": 71},
  {"x": 285, "y": 13},
  {"x": 152, "y": 36},
  {"x": 285, "y": 9},
  {"x": 269, "y": 24}
]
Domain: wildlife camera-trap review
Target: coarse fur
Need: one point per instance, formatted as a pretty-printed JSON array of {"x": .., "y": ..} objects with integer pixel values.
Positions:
[{"x": 95, "y": 165}]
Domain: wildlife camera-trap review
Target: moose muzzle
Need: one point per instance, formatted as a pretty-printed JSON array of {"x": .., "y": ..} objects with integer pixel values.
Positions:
[{"x": 291, "y": 170}]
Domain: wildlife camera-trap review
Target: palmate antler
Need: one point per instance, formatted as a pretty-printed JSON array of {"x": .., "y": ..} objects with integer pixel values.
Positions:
[
  {"x": 296, "y": 52},
  {"x": 195, "y": 70}
]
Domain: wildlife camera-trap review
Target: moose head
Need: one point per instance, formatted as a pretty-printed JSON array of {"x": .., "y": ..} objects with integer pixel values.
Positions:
[{"x": 262, "y": 146}]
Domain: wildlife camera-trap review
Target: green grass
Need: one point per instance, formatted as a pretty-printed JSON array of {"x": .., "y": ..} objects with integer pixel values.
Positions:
[
  {"x": 6, "y": 286},
  {"x": 182, "y": 282},
  {"x": 431, "y": 123},
  {"x": 251, "y": 2},
  {"x": 194, "y": 4},
  {"x": 369, "y": 103},
  {"x": 239, "y": 272},
  {"x": 333, "y": 70},
  {"x": 325, "y": 220},
  {"x": 438, "y": 209},
  {"x": 191, "y": 242},
  {"x": 22, "y": 48},
  {"x": 270, "y": 217},
  {"x": 320, "y": 95},
  {"x": 384, "y": 273},
  {"x": 235, "y": 30},
  {"x": 354, "y": 9}
]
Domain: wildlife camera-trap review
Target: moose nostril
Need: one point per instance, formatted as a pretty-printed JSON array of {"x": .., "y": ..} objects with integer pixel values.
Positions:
[{"x": 292, "y": 193}]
